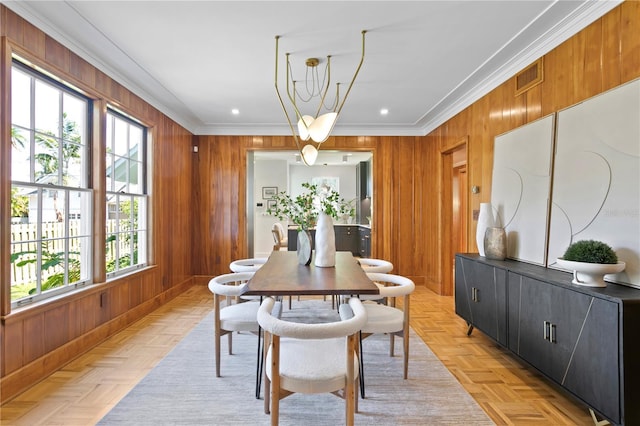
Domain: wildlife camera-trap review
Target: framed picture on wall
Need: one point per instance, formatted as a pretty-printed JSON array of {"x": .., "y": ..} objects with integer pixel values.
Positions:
[
  {"x": 271, "y": 204},
  {"x": 269, "y": 192}
]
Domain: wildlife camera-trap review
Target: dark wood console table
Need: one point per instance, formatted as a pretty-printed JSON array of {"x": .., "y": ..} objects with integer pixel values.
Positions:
[{"x": 585, "y": 339}]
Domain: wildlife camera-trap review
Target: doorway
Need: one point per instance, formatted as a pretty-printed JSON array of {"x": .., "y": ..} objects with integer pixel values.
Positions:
[
  {"x": 283, "y": 170},
  {"x": 455, "y": 211}
]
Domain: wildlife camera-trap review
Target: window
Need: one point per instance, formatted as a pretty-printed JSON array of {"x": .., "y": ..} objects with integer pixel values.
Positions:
[
  {"x": 126, "y": 194},
  {"x": 51, "y": 206}
]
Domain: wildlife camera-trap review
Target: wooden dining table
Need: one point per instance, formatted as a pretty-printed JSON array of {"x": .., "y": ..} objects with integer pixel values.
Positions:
[{"x": 282, "y": 275}]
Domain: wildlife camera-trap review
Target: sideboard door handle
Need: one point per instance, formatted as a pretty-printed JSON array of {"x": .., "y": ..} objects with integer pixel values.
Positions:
[{"x": 545, "y": 330}]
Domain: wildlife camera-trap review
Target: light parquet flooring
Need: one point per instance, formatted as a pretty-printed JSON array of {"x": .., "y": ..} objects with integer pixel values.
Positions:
[{"x": 87, "y": 388}]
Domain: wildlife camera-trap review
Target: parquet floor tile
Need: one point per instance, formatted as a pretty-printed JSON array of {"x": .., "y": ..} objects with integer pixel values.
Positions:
[{"x": 511, "y": 392}]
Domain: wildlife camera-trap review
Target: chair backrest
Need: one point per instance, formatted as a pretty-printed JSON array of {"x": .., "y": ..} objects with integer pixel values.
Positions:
[
  {"x": 296, "y": 330},
  {"x": 376, "y": 265},
  {"x": 247, "y": 265},
  {"x": 276, "y": 237},
  {"x": 278, "y": 226},
  {"x": 230, "y": 284},
  {"x": 400, "y": 286}
]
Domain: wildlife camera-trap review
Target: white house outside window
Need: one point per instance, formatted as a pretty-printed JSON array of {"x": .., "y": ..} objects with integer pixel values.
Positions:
[
  {"x": 126, "y": 195},
  {"x": 51, "y": 207}
]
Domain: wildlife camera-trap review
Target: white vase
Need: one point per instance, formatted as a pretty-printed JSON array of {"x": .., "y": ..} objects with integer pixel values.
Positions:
[
  {"x": 485, "y": 220},
  {"x": 325, "y": 242}
]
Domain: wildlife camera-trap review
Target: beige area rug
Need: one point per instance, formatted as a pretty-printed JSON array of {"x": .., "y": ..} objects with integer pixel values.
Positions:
[{"x": 183, "y": 390}]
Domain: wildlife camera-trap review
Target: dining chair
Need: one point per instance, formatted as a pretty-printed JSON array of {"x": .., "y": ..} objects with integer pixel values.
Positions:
[
  {"x": 311, "y": 358},
  {"x": 280, "y": 238},
  {"x": 231, "y": 314},
  {"x": 387, "y": 319},
  {"x": 375, "y": 265},
  {"x": 247, "y": 265}
]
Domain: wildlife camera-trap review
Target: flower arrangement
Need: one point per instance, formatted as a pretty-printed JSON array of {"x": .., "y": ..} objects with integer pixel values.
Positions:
[{"x": 304, "y": 209}]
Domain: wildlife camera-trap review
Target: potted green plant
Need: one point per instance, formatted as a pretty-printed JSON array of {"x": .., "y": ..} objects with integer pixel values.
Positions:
[{"x": 590, "y": 261}]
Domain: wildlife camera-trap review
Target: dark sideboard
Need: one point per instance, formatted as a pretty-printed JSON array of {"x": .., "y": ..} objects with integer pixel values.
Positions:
[{"x": 585, "y": 339}]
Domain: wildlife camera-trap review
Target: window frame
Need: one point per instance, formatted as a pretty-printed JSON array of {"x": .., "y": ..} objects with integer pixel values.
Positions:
[
  {"x": 138, "y": 234},
  {"x": 86, "y": 207}
]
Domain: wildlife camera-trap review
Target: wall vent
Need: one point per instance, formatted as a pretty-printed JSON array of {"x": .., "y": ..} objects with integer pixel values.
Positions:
[{"x": 529, "y": 77}]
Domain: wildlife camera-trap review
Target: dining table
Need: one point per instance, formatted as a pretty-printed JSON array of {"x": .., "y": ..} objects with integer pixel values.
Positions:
[{"x": 282, "y": 275}]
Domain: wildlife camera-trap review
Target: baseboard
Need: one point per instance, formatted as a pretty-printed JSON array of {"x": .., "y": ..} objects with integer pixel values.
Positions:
[{"x": 30, "y": 374}]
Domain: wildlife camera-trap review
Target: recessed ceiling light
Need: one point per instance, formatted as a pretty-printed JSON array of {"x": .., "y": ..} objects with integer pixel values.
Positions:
[
  {"x": 235, "y": 111},
  {"x": 384, "y": 111}
]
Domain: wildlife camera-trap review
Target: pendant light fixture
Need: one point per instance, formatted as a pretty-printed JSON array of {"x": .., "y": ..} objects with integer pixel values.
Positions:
[{"x": 317, "y": 127}]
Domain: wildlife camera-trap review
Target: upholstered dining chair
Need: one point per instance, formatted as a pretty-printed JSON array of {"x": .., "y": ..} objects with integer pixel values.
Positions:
[
  {"x": 280, "y": 238},
  {"x": 375, "y": 265},
  {"x": 387, "y": 319},
  {"x": 230, "y": 313},
  {"x": 247, "y": 265},
  {"x": 311, "y": 358}
]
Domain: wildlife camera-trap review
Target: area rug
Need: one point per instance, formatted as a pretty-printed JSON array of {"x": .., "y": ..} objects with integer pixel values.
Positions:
[{"x": 183, "y": 390}]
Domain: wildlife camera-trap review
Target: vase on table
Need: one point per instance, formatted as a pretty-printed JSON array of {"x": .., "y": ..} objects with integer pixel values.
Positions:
[
  {"x": 485, "y": 220},
  {"x": 304, "y": 247},
  {"x": 325, "y": 242},
  {"x": 495, "y": 243}
]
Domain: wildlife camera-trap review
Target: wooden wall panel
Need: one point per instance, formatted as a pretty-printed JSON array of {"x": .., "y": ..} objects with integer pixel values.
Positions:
[
  {"x": 629, "y": 40},
  {"x": 198, "y": 210},
  {"x": 600, "y": 57},
  {"x": 36, "y": 340}
]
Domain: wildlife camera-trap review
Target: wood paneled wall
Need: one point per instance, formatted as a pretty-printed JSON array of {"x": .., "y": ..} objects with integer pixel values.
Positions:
[
  {"x": 198, "y": 199},
  {"x": 410, "y": 226},
  {"x": 37, "y": 340},
  {"x": 400, "y": 202}
]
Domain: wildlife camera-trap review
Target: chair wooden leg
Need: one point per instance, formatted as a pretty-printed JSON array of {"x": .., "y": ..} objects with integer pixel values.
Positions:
[
  {"x": 349, "y": 391},
  {"x": 230, "y": 342},
  {"x": 217, "y": 343},
  {"x": 406, "y": 351},
  {"x": 391, "y": 344},
  {"x": 275, "y": 382},
  {"x": 361, "y": 364}
]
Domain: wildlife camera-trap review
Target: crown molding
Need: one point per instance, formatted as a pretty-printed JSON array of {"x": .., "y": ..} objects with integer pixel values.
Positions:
[
  {"x": 470, "y": 91},
  {"x": 175, "y": 110}
]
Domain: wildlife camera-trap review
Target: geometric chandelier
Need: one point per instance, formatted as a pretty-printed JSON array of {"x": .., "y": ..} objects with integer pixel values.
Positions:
[{"x": 318, "y": 124}]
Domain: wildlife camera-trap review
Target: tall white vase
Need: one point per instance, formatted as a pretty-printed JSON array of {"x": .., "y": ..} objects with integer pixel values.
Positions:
[
  {"x": 325, "y": 242},
  {"x": 485, "y": 220}
]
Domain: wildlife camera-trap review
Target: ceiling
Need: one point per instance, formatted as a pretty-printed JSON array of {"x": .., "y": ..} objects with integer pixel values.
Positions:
[{"x": 196, "y": 61}]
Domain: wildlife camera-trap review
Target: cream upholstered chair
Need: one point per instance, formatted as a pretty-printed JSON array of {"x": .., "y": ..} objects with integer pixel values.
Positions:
[
  {"x": 280, "y": 238},
  {"x": 387, "y": 319},
  {"x": 375, "y": 265},
  {"x": 230, "y": 316},
  {"x": 247, "y": 265},
  {"x": 311, "y": 358}
]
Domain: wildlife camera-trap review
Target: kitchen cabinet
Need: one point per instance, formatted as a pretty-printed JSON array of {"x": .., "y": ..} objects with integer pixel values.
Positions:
[
  {"x": 363, "y": 191},
  {"x": 347, "y": 238},
  {"x": 364, "y": 235}
]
